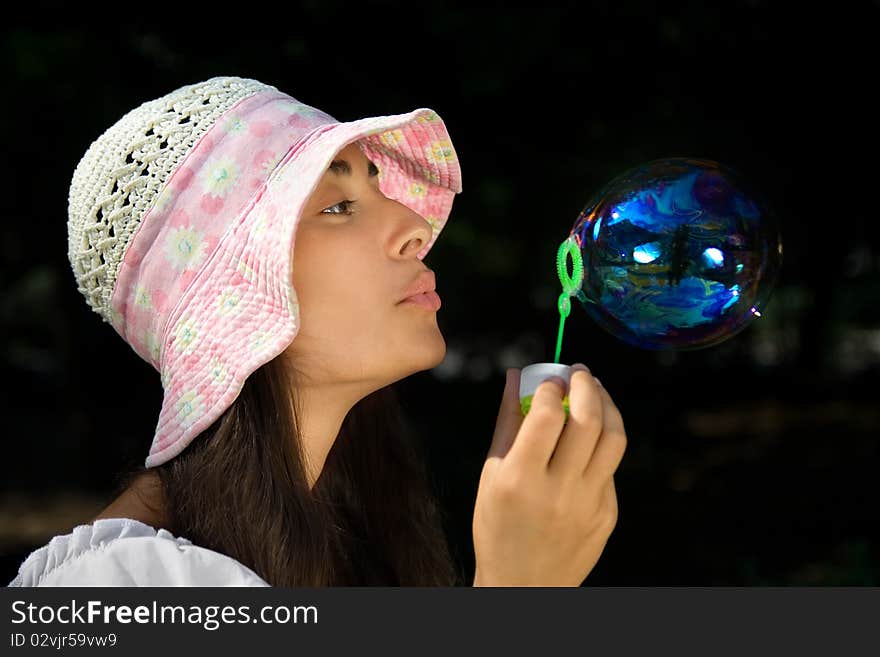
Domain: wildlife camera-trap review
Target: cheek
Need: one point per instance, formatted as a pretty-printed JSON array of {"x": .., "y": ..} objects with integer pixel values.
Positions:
[
  {"x": 335, "y": 282},
  {"x": 309, "y": 262}
]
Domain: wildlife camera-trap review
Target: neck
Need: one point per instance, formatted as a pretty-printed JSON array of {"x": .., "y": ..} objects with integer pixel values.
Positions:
[{"x": 142, "y": 501}]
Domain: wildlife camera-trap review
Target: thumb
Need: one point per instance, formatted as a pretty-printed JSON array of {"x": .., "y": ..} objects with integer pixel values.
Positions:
[{"x": 509, "y": 418}]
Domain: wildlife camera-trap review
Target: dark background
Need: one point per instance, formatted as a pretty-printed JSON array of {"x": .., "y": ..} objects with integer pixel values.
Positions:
[{"x": 749, "y": 463}]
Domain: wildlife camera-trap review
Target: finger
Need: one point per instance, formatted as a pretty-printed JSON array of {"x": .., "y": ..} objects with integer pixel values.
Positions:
[
  {"x": 509, "y": 416},
  {"x": 609, "y": 499},
  {"x": 610, "y": 493},
  {"x": 578, "y": 440},
  {"x": 611, "y": 444},
  {"x": 540, "y": 428}
]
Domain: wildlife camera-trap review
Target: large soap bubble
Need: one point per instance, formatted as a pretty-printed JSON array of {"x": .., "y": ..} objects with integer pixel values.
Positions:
[{"x": 675, "y": 254}]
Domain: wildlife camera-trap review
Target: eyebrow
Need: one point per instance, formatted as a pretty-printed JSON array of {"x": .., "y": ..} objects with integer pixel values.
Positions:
[{"x": 343, "y": 168}]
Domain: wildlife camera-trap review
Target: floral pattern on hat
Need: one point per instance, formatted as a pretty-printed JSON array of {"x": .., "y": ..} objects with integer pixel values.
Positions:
[{"x": 185, "y": 248}]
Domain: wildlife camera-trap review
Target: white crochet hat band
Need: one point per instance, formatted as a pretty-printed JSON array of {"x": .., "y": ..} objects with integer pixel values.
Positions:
[{"x": 183, "y": 218}]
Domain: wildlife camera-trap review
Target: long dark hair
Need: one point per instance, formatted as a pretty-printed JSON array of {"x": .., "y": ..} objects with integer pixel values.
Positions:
[{"x": 371, "y": 519}]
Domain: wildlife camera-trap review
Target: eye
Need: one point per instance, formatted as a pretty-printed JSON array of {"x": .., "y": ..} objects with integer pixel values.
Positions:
[{"x": 346, "y": 204}]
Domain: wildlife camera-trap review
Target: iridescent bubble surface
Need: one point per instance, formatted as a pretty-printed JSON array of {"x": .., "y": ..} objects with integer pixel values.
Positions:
[{"x": 678, "y": 253}]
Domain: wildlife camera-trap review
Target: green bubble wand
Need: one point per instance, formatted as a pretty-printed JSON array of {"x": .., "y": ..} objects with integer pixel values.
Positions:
[{"x": 571, "y": 283}]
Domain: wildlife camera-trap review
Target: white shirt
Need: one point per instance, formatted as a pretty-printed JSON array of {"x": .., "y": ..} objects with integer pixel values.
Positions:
[{"x": 127, "y": 552}]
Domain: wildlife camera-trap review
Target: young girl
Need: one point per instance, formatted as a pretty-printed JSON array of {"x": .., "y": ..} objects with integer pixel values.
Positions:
[{"x": 212, "y": 226}]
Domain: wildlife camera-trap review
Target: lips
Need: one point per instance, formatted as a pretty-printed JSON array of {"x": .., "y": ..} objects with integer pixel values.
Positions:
[
  {"x": 424, "y": 283},
  {"x": 429, "y": 300}
]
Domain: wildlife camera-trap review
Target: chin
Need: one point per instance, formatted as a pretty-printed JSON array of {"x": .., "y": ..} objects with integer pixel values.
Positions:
[
  {"x": 441, "y": 351},
  {"x": 427, "y": 357},
  {"x": 432, "y": 353},
  {"x": 416, "y": 351}
]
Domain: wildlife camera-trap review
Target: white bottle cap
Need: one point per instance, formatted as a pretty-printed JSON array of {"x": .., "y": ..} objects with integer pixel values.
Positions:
[{"x": 531, "y": 376}]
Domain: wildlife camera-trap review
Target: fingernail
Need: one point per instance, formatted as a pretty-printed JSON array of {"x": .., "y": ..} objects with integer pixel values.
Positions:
[
  {"x": 559, "y": 380},
  {"x": 580, "y": 366}
]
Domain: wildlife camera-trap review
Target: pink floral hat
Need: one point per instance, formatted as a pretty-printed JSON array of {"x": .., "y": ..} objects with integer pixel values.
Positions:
[{"x": 182, "y": 221}]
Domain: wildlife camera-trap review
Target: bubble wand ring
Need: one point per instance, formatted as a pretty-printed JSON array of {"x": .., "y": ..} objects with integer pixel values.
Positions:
[{"x": 571, "y": 283}]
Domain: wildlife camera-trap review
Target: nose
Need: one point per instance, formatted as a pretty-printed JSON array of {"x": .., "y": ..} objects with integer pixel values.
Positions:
[{"x": 412, "y": 231}]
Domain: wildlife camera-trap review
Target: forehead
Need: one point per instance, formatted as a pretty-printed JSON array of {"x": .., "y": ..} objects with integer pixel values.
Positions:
[
  {"x": 352, "y": 153},
  {"x": 353, "y": 161}
]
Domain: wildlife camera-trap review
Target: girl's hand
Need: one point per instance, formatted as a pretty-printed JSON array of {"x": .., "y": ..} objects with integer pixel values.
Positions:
[{"x": 546, "y": 503}]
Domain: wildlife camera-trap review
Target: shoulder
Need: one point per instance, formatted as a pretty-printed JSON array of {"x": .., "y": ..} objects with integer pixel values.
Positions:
[{"x": 127, "y": 552}]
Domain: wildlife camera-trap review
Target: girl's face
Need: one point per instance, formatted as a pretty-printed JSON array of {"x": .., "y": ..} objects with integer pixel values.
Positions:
[{"x": 354, "y": 258}]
